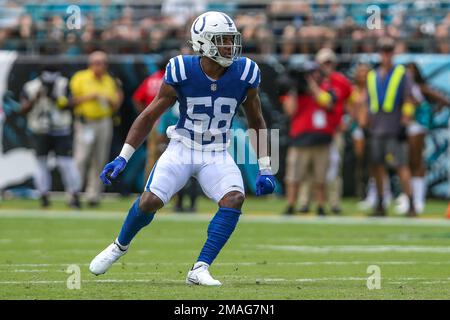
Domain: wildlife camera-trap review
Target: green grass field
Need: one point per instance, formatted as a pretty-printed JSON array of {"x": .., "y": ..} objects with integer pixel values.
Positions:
[{"x": 268, "y": 257}]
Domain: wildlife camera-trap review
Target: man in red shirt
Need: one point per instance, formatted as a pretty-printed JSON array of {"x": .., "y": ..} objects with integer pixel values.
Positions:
[
  {"x": 310, "y": 133},
  {"x": 341, "y": 86},
  {"x": 148, "y": 89},
  {"x": 142, "y": 97}
]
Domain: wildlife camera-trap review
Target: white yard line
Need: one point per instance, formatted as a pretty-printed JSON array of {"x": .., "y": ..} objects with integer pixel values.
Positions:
[
  {"x": 395, "y": 221},
  {"x": 237, "y": 264},
  {"x": 331, "y": 279},
  {"x": 434, "y": 281},
  {"x": 29, "y": 270},
  {"x": 357, "y": 249},
  {"x": 238, "y": 280},
  {"x": 84, "y": 281},
  {"x": 420, "y": 279}
]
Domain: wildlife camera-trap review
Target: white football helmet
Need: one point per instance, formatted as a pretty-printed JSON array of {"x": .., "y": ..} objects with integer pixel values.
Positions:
[{"x": 209, "y": 33}]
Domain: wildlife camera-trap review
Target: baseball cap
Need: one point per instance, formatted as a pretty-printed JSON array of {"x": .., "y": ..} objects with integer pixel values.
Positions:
[{"x": 325, "y": 55}]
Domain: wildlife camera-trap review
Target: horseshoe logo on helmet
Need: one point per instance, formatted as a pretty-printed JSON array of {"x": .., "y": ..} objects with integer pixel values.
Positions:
[{"x": 201, "y": 28}]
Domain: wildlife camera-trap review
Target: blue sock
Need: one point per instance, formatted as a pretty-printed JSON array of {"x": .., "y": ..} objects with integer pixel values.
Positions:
[
  {"x": 219, "y": 230},
  {"x": 135, "y": 221}
]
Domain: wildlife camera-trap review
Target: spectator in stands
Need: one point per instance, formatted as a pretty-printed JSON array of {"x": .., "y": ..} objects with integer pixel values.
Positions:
[
  {"x": 3, "y": 38},
  {"x": 302, "y": 26},
  {"x": 45, "y": 101},
  {"x": 88, "y": 33},
  {"x": 125, "y": 28},
  {"x": 55, "y": 28},
  {"x": 72, "y": 48},
  {"x": 179, "y": 12},
  {"x": 265, "y": 40},
  {"x": 306, "y": 27},
  {"x": 287, "y": 17},
  {"x": 308, "y": 106},
  {"x": 125, "y": 32},
  {"x": 89, "y": 36},
  {"x": 289, "y": 41},
  {"x": 390, "y": 110},
  {"x": 24, "y": 31},
  {"x": 303, "y": 36},
  {"x": 96, "y": 97},
  {"x": 313, "y": 37},
  {"x": 256, "y": 35},
  {"x": 442, "y": 34}
]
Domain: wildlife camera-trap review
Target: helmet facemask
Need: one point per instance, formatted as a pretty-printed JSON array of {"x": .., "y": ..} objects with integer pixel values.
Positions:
[
  {"x": 214, "y": 35},
  {"x": 231, "y": 48}
]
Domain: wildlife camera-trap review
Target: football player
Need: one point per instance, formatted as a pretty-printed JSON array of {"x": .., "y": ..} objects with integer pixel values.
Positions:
[{"x": 209, "y": 88}]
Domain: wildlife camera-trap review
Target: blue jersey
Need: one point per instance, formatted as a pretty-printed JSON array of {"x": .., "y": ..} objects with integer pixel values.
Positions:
[{"x": 207, "y": 106}]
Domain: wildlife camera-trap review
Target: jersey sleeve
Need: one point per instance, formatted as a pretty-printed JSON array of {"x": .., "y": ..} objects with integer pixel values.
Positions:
[
  {"x": 251, "y": 74},
  {"x": 175, "y": 71}
]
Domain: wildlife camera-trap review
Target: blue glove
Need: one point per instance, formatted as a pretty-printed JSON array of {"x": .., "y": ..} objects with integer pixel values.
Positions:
[
  {"x": 265, "y": 183},
  {"x": 112, "y": 170}
]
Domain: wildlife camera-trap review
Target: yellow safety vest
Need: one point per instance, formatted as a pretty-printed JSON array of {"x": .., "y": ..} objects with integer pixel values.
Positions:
[{"x": 391, "y": 91}]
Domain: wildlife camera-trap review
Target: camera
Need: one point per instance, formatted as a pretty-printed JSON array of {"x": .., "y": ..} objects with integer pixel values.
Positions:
[
  {"x": 298, "y": 75},
  {"x": 48, "y": 78}
]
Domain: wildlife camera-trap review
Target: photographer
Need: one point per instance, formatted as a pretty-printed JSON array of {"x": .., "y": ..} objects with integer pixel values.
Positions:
[
  {"x": 327, "y": 60},
  {"x": 49, "y": 117},
  {"x": 309, "y": 107}
]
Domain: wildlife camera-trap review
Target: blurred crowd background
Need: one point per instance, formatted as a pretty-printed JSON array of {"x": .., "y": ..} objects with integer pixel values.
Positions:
[
  {"x": 281, "y": 27},
  {"x": 126, "y": 44}
]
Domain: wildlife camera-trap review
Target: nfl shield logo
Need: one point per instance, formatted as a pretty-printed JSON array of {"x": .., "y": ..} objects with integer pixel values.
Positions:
[{"x": 214, "y": 87}]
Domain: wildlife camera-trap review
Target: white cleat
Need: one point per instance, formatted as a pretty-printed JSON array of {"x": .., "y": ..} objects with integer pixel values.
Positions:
[
  {"x": 366, "y": 204},
  {"x": 402, "y": 199},
  {"x": 101, "y": 263},
  {"x": 401, "y": 209},
  {"x": 402, "y": 205},
  {"x": 419, "y": 206},
  {"x": 199, "y": 274}
]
